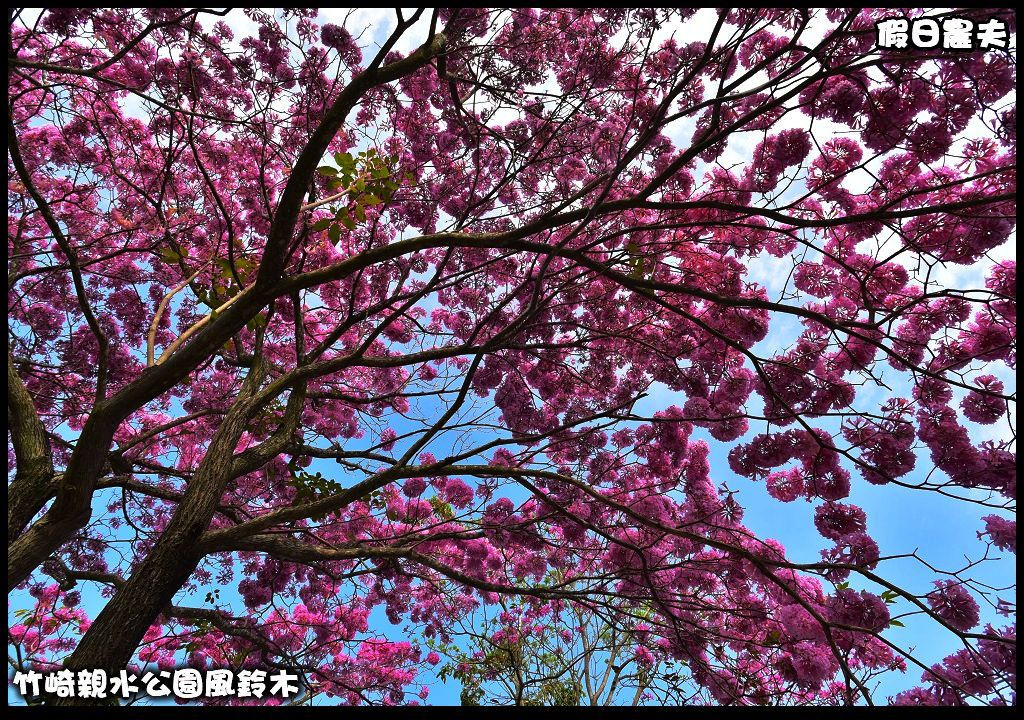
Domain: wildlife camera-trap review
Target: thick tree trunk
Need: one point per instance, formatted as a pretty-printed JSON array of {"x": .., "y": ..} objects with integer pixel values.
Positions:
[
  {"x": 119, "y": 628},
  {"x": 33, "y": 478},
  {"x": 72, "y": 506}
]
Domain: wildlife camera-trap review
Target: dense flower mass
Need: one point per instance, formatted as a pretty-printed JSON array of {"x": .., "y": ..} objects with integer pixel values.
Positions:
[
  {"x": 510, "y": 328},
  {"x": 954, "y": 604}
]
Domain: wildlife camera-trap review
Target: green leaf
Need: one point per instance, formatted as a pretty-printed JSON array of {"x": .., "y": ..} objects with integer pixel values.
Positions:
[
  {"x": 345, "y": 160},
  {"x": 334, "y": 233},
  {"x": 260, "y": 321},
  {"x": 327, "y": 171},
  {"x": 896, "y": 623},
  {"x": 442, "y": 509},
  {"x": 322, "y": 224},
  {"x": 346, "y": 219},
  {"x": 169, "y": 256},
  {"x": 370, "y": 199}
]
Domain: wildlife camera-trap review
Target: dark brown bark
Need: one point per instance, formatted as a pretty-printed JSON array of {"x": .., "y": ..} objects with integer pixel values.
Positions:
[
  {"x": 33, "y": 477},
  {"x": 118, "y": 630}
]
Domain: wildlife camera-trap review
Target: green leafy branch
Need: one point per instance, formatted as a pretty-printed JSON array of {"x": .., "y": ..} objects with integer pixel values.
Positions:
[
  {"x": 360, "y": 181},
  {"x": 310, "y": 487}
]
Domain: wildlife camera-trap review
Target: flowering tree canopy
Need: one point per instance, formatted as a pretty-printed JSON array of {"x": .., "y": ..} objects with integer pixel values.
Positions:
[{"x": 479, "y": 312}]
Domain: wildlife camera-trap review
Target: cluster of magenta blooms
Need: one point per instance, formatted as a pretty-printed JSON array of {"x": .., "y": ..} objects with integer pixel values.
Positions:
[{"x": 639, "y": 483}]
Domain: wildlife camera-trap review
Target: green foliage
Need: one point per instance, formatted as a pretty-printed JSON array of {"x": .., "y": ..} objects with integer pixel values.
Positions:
[
  {"x": 638, "y": 262},
  {"x": 528, "y": 658},
  {"x": 313, "y": 487},
  {"x": 364, "y": 180},
  {"x": 202, "y": 627},
  {"x": 471, "y": 695},
  {"x": 558, "y": 693},
  {"x": 260, "y": 321},
  {"x": 172, "y": 256},
  {"x": 442, "y": 509},
  {"x": 510, "y": 660}
]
